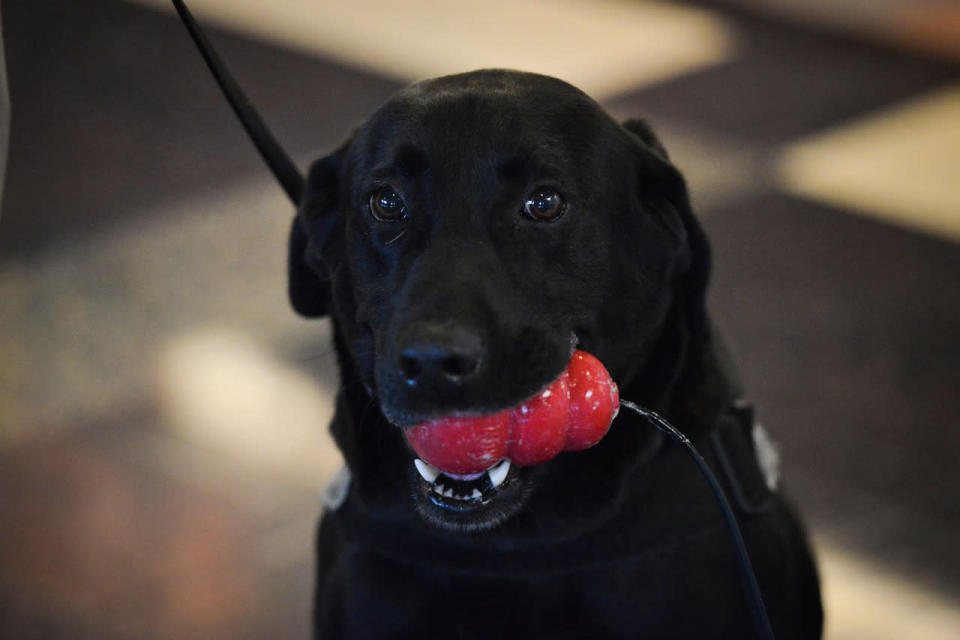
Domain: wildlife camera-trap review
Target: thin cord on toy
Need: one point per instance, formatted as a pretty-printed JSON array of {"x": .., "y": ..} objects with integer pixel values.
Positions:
[
  {"x": 760, "y": 620},
  {"x": 273, "y": 154}
]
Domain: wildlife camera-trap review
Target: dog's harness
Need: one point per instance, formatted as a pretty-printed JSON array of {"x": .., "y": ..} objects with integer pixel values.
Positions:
[{"x": 747, "y": 460}]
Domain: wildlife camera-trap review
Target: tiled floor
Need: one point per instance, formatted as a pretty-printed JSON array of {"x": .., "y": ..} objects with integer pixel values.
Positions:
[
  {"x": 899, "y": 163},
  {"x": 162, "y": 410},
  {"x": 616, "y": 44}
]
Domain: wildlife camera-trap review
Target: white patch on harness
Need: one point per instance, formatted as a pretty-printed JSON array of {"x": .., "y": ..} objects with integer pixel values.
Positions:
[
  {"x": 336, "y": 491},
  {"x": 768, "y": 457}
]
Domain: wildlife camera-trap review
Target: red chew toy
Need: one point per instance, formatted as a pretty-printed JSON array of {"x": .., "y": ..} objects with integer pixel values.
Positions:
[{"x": 571, "y": 414}]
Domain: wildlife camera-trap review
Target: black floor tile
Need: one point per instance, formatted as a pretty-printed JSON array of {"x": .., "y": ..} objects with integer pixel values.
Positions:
[
  {"x": 114, "y": 113},
  {"x": 785, "y": 82},
  {"x": 848, "y": 332}
]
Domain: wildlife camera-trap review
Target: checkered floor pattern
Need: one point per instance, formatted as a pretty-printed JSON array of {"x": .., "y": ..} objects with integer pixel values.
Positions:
[{"x": 146, "y": 487}]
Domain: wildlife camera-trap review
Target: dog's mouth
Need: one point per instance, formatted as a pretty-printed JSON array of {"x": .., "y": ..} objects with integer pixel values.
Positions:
[
  {"x": 472, "y": 468},
  {"x": 473, "y": 502},
  {"x": 467, "y": 492}
]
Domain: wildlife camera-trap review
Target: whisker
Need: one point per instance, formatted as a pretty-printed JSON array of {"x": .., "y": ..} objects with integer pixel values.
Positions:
[{"x": 396, "y": 237}]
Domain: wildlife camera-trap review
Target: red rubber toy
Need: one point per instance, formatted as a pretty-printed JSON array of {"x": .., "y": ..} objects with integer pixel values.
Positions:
[{"x": 572, "y": 414}]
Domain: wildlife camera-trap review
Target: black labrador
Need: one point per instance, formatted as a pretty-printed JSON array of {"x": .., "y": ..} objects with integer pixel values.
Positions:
[{"x": 464, "y": 240}]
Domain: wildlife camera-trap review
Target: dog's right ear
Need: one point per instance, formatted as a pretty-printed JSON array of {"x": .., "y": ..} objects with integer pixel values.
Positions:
[
  {"x": 308, "y": 282},
  {"x": 317, "y": 214},
  {"x": 664, "y": 191}
]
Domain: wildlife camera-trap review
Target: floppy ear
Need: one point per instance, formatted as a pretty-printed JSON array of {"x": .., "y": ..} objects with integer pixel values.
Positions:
[
  {"x": 317, "y": 214},
  {"x": 664, "y": 191}
]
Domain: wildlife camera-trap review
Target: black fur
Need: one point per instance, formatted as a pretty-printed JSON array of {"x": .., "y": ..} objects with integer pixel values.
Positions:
[{"x": 620, "y": 541}]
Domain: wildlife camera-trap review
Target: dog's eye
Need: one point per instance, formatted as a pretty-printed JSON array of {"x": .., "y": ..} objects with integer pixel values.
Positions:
[
  {"x": 386, "y": 205},
  {"x": 544, "y": 204}
]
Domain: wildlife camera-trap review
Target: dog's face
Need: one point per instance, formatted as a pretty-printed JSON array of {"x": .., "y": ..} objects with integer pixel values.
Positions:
[{"x": 466, "y": 238}]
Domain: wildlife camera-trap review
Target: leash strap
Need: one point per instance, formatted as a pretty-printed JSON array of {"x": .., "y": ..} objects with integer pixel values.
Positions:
[{"x": 270, "y": 150}]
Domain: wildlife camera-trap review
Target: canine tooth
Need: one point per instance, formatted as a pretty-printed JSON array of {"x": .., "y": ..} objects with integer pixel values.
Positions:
[
  {"x": 499, "y": 473},
  {"x": 448, "y": 493},
  {"x": 427, "y": 471},
  {"x": 476, "y": 495}
]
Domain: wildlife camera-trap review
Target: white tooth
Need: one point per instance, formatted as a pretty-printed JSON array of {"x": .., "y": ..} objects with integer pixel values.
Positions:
[
  {"x": 448, "y": 493},
  {"x": 499, "y": 473},
  {"x": 427, "y": 471},
  {"x": 476, "y": 495}
]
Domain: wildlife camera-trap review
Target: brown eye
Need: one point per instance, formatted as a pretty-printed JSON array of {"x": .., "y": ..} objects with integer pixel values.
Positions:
[
  {"x": 386, "y": 205},
  {"x": 544, "y": 204}
]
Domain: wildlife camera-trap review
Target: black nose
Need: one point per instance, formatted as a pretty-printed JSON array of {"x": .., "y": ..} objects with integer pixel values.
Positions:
[{"x": 440, "y": 354}]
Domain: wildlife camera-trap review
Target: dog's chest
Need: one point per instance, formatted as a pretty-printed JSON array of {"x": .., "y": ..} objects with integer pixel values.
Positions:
[{"x": 381, "y": 598}]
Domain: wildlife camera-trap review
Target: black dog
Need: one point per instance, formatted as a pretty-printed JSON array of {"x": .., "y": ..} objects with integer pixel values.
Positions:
[{"x": 464, "y": 240}]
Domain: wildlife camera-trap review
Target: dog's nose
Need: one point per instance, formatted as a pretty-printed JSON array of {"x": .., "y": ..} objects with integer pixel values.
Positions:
[{"x": 436, "y": 354}]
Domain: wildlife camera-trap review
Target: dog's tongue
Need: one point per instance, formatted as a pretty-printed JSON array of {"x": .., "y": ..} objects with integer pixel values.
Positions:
[{"x": 571, "y": 414}]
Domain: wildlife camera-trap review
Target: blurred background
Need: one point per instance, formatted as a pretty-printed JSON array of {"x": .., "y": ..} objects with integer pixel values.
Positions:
[{"x": 163, "y": 412}]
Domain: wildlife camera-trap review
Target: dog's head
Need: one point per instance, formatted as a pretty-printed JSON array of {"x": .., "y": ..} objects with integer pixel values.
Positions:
[{"x": 464, "y": 240}]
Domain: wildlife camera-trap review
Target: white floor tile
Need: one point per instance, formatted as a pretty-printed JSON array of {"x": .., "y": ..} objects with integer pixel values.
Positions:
[
  {"x": 863, "y": 601},
  {"x": 901, "y": 164},
  {"x": 601, "y": 46}
]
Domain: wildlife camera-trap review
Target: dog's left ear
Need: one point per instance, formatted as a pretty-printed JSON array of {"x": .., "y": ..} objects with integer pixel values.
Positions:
[
  {"x": 317, "y": 214},
  {"x": 663, "y": 191}
]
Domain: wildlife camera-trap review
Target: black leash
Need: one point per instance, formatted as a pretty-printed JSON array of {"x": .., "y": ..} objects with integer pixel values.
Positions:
[
  {"x": 761, "y": 622},
  {"x": 292, "y": 182},
  {"x": 270, "y": 150}
]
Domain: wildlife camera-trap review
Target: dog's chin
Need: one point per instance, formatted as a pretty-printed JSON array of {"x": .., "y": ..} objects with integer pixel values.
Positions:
[
  {"x": 468, "y": 504},
  {"x": 464, "y": 504}
]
